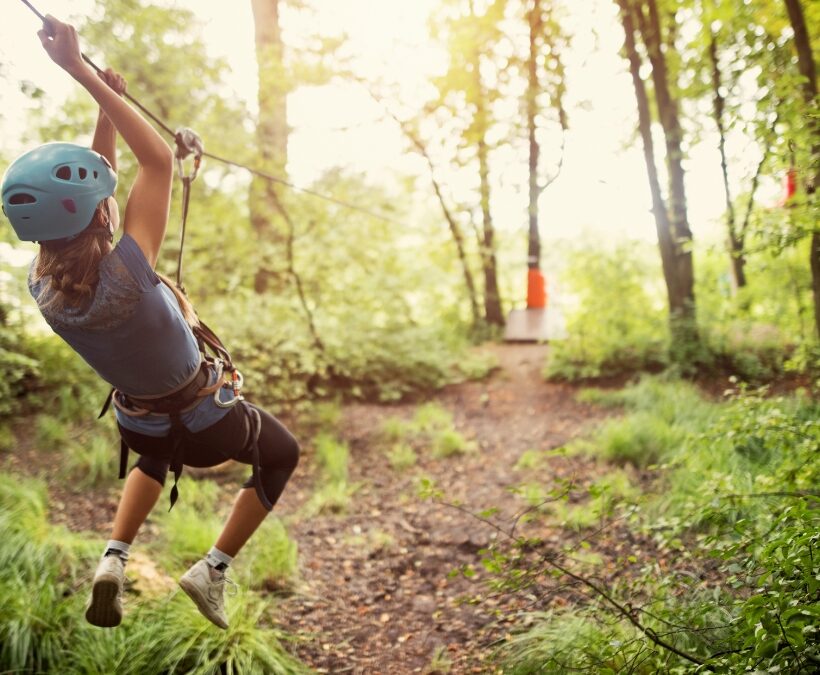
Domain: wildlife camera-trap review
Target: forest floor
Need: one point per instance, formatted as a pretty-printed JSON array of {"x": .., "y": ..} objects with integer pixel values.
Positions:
[
  {"x": 375, "y": 593},
  {"x": 380, "y": 597}
]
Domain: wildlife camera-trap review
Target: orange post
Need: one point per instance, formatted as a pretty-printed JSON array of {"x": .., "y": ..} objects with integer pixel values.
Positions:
[{"x": 536, "y": 289}]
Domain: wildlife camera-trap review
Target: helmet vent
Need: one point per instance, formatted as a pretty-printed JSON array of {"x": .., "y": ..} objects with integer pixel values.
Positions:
[
  {"x": 96, "y": 175},
  {"x": 22, "y": 198},
  {"x": 82, "y": 172},
  {"x": 63, "y": 173}
]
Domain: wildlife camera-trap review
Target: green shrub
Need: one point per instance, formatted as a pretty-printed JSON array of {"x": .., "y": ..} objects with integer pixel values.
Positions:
[
  {"x": 738, "y": 502},
  {"x": 617, "y": 322}
]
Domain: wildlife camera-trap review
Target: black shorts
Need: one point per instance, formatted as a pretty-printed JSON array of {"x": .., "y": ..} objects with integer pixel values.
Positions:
[{"x": 220, "y": 442}]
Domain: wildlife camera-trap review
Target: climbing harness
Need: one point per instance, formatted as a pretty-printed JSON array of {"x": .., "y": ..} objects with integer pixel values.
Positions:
[{"x": 186, "y": 397}]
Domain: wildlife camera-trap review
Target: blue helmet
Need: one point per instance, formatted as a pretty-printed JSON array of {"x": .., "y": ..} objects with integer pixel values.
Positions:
[{"x": 51, "y": 192}]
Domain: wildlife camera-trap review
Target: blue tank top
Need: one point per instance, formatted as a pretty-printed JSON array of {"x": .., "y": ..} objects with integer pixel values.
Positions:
[{"x": 133, "y": 334}]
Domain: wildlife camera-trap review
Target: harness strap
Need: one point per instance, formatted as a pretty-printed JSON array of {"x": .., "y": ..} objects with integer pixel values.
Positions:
[
  {"x": 177, "y": 437},
  {"x": 107, "y": 404},
  {"x": 206, "y": 337},
  {"x": 123, "y": 458}
]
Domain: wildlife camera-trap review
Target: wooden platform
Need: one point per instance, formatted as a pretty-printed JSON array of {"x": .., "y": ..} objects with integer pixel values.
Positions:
[{"x": 527, "y": 325}]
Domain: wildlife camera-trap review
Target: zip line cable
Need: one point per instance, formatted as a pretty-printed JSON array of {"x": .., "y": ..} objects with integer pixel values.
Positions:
[{"x": 256, "y": 172}]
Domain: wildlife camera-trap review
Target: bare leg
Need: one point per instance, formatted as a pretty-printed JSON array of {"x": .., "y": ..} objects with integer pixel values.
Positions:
[
  {"x": 138, "y": 498},
  {"x": 247, "y": 514}
]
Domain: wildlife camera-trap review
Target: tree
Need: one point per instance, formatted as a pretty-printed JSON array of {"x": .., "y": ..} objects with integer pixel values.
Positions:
[
  {"x": 271, "y": 136},
  {"x": 805, "y": 63},
  {"x": 671, "y": 221},
  {"x": 463, "y": 88}
]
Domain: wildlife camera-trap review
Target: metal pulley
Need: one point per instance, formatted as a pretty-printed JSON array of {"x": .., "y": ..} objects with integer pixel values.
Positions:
[{"x": 188, "y": 143}]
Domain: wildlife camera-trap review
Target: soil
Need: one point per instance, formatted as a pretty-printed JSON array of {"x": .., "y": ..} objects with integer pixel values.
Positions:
[{"x": 376, "y": 593}]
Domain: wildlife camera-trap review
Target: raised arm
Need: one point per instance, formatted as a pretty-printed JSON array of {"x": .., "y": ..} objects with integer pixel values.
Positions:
[
  {"x": 105, "y": 135},
  {"x": 146, "y": 212}
]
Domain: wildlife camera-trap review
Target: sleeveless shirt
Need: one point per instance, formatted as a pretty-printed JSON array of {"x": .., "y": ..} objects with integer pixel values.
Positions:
[{"x": 133, "y": 334}]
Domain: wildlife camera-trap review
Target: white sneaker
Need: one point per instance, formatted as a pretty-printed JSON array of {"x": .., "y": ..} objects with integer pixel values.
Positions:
[
  {"x": 206, "y": 587},
  {"x": 105, "y": 604}
]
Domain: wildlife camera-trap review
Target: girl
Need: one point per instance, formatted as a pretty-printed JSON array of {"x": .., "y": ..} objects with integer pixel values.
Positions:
[{"x": 135, "y": 330}]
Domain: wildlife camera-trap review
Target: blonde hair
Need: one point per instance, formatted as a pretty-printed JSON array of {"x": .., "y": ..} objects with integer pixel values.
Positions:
[
  {"x": 185, "y": 306},
  {"x": 74, "y": 268}
]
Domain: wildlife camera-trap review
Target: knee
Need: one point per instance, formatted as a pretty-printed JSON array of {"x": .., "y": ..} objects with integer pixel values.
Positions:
[{"x": 290, "y": 453}]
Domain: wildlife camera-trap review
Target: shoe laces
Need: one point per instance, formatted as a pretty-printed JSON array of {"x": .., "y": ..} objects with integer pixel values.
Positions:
[{"x": 226, "y": 582}]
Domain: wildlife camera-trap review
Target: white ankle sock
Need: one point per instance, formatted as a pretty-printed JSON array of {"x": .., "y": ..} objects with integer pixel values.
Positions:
[
  {"x": 119, "y": 547},
  {"x": 217, "y": 559}
]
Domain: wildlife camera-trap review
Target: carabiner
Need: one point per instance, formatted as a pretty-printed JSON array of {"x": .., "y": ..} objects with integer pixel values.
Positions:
[{"x": 188, "y": 143}]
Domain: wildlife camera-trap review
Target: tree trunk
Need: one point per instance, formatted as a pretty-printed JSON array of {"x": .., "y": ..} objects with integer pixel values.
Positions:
[
  {"x": 458, "y": 238},
  {"x": 534, "y": 247},
  {"x": 662, "y": 224},
  {"x": 805, "y": 63},
  {"x": 272, "y": 138},
  {"x": 492, "y": 301},
  {"x": 734, "y": 241},
  {"x": 455, "y": 230},
  {"x": 682, "y": 294}
]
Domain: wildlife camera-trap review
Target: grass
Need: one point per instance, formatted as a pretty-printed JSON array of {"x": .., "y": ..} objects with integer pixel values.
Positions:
[
  {"x": 7, "y": 438},
  {"x": 529, "y": 460},
  {"x": 91, "y": 463},
  {"x": 562, "y": 642},
  {"x": 51, "y": 432},
  {"x": 333, "y": 491},
  {"x": 189, "y": 530},
  {"x": 431, "y": 428},
  {"x": 607, "y": 494},
  {"x": 270, "y": 559},
  {"x": 44, "y": 576},
  {"x": 402, "y": 456}
]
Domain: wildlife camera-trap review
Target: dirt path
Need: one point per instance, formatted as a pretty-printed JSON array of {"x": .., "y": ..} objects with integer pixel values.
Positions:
[{"x": 376, "y": 595}]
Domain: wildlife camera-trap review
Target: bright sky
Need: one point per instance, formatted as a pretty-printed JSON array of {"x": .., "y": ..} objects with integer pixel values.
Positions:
[{"x": 602, "y": 189}]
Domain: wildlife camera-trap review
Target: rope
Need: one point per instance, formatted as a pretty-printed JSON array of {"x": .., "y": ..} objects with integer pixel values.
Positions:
[
  {"x": 186, "y": 196},
  {"x": 257, "y": 172}
]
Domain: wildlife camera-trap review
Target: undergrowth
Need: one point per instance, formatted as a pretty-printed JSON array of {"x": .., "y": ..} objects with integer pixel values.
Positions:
[
  {"x": 732, "y": 511},
  {"x": 45, "y": 574}
]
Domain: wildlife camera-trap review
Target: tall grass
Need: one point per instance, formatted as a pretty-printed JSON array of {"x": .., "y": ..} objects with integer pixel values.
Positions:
[
  {"x": 333, "y": 490},
  {"x": 270, "y": 559},
  {"x": 189, "y": 530},
  {"x": 45, "y": 574}
]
